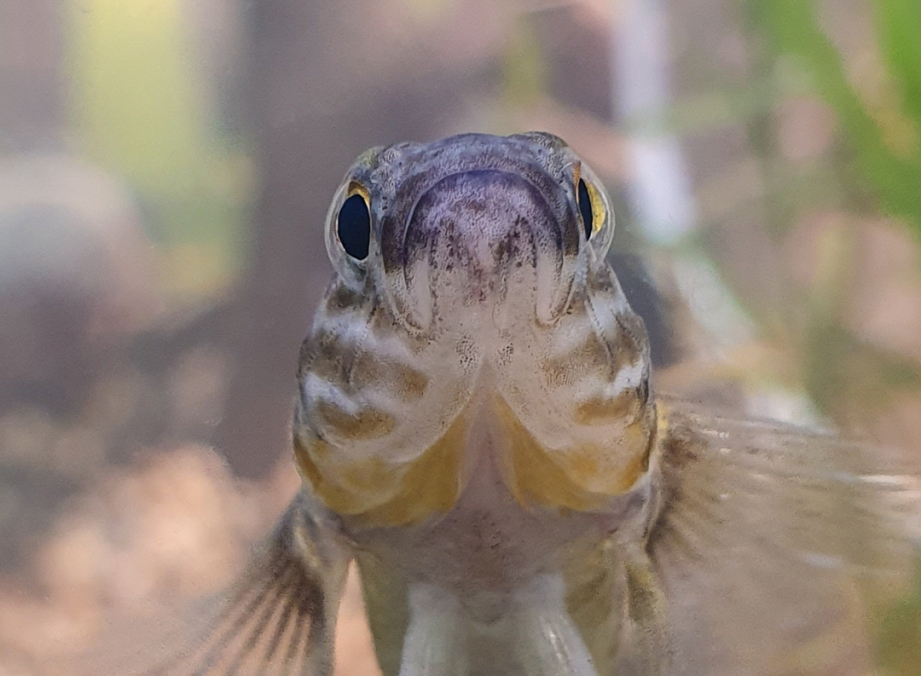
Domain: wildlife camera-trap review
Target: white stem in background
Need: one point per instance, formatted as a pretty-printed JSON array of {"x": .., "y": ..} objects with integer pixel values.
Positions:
[{"x": 661, "y": 190}]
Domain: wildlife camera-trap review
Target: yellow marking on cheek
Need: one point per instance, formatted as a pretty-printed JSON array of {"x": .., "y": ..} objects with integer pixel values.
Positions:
[
  {"x": 584, "y": 462},
  {"x": 365, "y": 477},
  {"x": 352, "y": 487},
  {"x": 367, "y": 423},
  {"x": 580, "y": 478},
  {"x": 430, "y": 485},
  {"x": 638, "y": 436},
  {"x": 382, "y": 493},
  {"x": 307, "y": 456}
]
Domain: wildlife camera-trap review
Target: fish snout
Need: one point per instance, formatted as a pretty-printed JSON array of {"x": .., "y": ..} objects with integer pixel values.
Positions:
[{"x": 487, "y": 238}]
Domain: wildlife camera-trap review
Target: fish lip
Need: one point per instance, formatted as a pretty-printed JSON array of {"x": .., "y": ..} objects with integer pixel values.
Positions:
[{"x": 412, "y": 299}]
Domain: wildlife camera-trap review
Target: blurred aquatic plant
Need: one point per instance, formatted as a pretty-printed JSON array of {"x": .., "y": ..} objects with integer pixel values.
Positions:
[
  {"x": 899, "y": 635},
  {"x": 140, "y": 108},
  {"x": 880, "y": 170},
  {"x": 885, "y": 133},
  {"x": 872, "y": 165},
  {"x": 524, "y": 79}
]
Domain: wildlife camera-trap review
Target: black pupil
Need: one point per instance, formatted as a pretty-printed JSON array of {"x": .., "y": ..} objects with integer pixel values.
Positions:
[
  {"x": 354, "y": 227},
  {"x": 585, "y": 206}
]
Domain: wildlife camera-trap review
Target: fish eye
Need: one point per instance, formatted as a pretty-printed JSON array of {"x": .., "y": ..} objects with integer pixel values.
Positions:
[
  {"x": 591, "y": 205},
  {"x": 585, "y": 208},
  {"x": 353, "y": 223}
]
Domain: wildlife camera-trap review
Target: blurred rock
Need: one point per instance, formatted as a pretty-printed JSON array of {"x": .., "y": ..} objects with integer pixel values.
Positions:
[
  {"x": 127, "y": 564},
  {"x": 77, "y": 279},
  {"x": 155, "y": 536},
  {"x": 76, "y": 272}
]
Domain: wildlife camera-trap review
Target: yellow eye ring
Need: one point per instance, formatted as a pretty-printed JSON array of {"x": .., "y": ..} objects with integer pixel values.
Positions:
[
  {"x": 599, "y": 212},
  {"x": 356, "y": 188},
  {"x": 590, "y": 203}
]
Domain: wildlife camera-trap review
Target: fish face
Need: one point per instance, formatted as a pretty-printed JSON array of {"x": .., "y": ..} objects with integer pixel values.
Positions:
[{"x": 472, "y": 314}]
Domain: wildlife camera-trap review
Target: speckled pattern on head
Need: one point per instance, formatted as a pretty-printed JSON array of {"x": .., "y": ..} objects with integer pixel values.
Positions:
[{"x": 483, "y": 322}]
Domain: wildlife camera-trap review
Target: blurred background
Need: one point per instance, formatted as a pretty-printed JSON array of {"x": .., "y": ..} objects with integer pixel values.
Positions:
[{"x": 165, "y": 170}]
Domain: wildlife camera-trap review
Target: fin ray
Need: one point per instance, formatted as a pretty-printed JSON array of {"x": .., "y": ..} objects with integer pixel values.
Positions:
[
  {"x": 771, "y": 536},
  {"x": 279, "y": 612}
]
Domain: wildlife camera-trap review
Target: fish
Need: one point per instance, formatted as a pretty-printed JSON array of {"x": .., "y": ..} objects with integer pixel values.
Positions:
[{"x": 476, "y": 429}]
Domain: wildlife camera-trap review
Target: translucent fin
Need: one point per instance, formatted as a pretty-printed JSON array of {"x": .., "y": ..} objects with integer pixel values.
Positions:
[
  {"x": 531, "y": 634},
  {"x": 777, "y": 546},
  {"x": 646, "y": 608},
  {"x": 434, "y": 641},
  {"x": 280, "y": 616},
  {"x": 547, "y": 641}
]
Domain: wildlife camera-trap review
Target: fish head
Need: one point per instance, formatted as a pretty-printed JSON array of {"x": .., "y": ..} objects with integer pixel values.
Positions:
[{"x": 472, "y": 308}]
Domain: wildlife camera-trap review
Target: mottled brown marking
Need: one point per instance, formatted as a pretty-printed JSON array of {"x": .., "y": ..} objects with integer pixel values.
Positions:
[
  {"x": 627, "y": 342},
  {"x": 400, "y": 379},
  {"x": 678, "y": 446},
  {"x": 366, "y": 423},
  {"x": 565, "y": 369},
  {"x": 342, "y": 298},
  {"x": 680, "y": 443},
  {"x": 322, "y": 355}
]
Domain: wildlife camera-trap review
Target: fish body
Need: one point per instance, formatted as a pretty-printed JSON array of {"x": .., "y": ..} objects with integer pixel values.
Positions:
[{"x": 475, "y": 427}]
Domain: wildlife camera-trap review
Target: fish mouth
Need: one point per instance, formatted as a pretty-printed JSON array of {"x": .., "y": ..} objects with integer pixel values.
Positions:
[{"x": 483, "y": 237}]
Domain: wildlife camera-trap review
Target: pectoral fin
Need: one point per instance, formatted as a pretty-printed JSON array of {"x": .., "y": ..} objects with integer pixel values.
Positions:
[
  {"x": 280, "y": 616},
  {"x": 777, "y": 546},
  {"x": 646, "y": 608}
]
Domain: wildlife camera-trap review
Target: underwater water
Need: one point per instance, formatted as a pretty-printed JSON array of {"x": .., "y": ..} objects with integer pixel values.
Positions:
[{"x": 165, "y": 171}]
